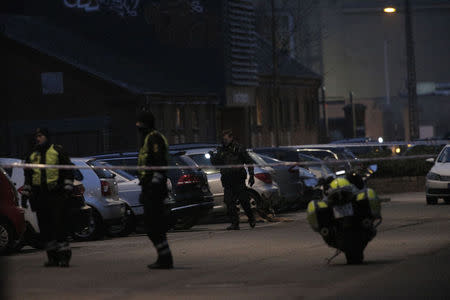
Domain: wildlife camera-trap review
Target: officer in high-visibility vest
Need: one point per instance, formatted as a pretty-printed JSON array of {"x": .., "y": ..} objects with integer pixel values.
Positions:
[
  {"x": 154, "y": 152},
  {"x": 49, "y": 192}
]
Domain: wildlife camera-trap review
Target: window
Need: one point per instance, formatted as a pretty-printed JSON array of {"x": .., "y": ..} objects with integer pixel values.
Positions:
[
  {"x": 195, "y": 119},
  {"x": 297, "y": 111},
  {"x": 285, "y": 113},
  {"x": 179, "y": 118},
  {"x": 52, "y": 83},
  {"x": 445, "y": 156},
  {"x": 259, "y": 111}
]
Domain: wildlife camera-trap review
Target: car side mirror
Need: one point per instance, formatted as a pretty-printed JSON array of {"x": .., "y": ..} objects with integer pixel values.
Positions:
[{"x": 430, "y": 160}]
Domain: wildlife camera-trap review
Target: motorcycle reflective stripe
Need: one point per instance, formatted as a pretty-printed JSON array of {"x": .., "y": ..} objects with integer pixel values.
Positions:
[
  {"x": 322, "y": 204},
  {"x": 361, "y": 196},
  {"x": 339, "y": 183},
  {"x": 374, "y": 202},
  {"x": 371, "y": 194},
  {"x": 311, "y": 215}
]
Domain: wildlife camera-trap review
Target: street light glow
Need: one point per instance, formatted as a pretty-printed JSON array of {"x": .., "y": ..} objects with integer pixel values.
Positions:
[{"x": 390, "y": 10}]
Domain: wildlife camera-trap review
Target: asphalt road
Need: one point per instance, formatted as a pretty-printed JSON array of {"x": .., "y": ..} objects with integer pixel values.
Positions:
[{"x": 409, "y": 258}]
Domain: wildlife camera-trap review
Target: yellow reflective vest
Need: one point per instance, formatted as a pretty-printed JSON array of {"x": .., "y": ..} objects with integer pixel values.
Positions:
[
  {"x": 153, "y": 153},
  {"x": 52, "y": 175}
]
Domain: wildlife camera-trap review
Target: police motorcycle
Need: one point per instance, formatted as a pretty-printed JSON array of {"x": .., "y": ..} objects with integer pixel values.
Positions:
[{"x": 348, "y": 214}]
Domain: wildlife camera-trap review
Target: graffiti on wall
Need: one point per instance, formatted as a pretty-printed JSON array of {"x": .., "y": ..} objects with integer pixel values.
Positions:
[{"x": 121, "y": 7}]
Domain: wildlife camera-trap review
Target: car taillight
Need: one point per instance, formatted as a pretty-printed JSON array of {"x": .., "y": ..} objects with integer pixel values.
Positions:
[
  {"x": 78, "y": 190},
  {"x": 188, "y": 179},
  {"x": 106, "y": 188},
  {"x": 264, "y": 177}
]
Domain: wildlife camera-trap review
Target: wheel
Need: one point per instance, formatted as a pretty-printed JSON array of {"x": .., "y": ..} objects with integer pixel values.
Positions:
[
  {"x": 94, "y": 231},
  {"x": 186, "y": 222},
  {"x": 354, "y": 257},
  {"x": 432, "y": 200},
  {"x": 127, "y": 226},
  {"x": 6, "y": 238}
]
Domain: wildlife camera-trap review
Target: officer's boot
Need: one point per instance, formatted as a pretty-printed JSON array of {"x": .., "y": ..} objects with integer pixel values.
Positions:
[
  {"x": 52, "y": 257},
  {"x": 52, "y": 254},
  {"x": 165, "y": 260},
  {"x": 64, "y": 255},
  {"x": 252, "y": 221},
  {"x": 233, "y": 212}
]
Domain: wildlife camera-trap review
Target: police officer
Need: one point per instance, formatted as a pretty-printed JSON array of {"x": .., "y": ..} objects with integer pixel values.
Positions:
[
  {"x": 233, "y": 179},
  {"x": 154, "y": 152},
  {"x": 49, "y": 192}
]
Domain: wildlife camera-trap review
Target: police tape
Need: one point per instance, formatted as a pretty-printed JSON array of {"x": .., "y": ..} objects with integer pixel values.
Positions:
[{"x": 196, "y": 167}]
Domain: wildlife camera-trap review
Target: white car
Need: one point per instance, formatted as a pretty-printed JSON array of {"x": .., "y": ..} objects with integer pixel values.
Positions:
[
  {"x": 100, "y": 193},
  {"x": 438, "y": 179}
]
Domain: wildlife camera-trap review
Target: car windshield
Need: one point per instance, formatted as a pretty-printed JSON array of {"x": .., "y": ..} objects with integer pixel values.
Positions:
[
  {"x": 445, "y": 156},
  {"x": 269, "y": 159},
  {"x": 101, "y": 173},
  {"x": 124, "y": 174},
  {"x": 319, "y": 154},
  {"x": 204, "y": 159},
  {"x": 257, "y": 159}
]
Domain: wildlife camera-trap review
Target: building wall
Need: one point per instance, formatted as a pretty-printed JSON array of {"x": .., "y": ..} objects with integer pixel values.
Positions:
[
  {"x": 90, "y": 115},
  {"x": 299, "y": 115}
]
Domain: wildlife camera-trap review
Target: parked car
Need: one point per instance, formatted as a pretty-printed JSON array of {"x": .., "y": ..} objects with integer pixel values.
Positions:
[
  {"x": 297, "y": 185},
  {"x": 189, "y": 196},
  {"x": 107, "y": 210},
  {"x": 292, "y": 154},
  {"x": 264, "y": 194},
  {"x": 12, "y": 218},
  {"x": 334, "y": 161},
  {"x": 438, "y": 179}
]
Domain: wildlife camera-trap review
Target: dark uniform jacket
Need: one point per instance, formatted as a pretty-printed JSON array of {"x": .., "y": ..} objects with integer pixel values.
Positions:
[{"x": 233, "y": 154}]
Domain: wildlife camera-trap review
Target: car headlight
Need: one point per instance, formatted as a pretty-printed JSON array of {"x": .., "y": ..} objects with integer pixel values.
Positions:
[{"x": 433, "y": 176}]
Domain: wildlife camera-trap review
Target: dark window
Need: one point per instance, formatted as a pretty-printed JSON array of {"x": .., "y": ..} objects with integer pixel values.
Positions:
[
  {"x": 195, "y": 119},
  {"x": 101, "y": 173},
  {"x": 204, "y": 160},
  {"x": 297, "y": 111},
  {"x": 77, "y": 175}
]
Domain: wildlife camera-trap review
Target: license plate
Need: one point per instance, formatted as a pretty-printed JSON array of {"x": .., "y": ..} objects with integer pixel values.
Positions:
[{"x": 343, "y": 211}]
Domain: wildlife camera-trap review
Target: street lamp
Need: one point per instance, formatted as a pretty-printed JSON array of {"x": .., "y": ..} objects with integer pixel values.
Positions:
[
  {"x": 411, "y": 71},
  {"x": 390, "y": 10}
]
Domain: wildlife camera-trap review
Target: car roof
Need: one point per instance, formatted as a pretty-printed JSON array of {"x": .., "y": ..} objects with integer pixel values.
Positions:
[
  {"x": 131, "y": 154},
  {"x": 199, "y": 150},
  {"x": 189, "y": 146},
  {"x": 10, "y": 160}
]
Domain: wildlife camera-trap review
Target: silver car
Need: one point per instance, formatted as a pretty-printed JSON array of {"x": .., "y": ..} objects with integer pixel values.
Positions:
[
  {"x": 102, "y": 194},
  {"x": 297, "y": 185},
  {"x": 264, "y": 194}
]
